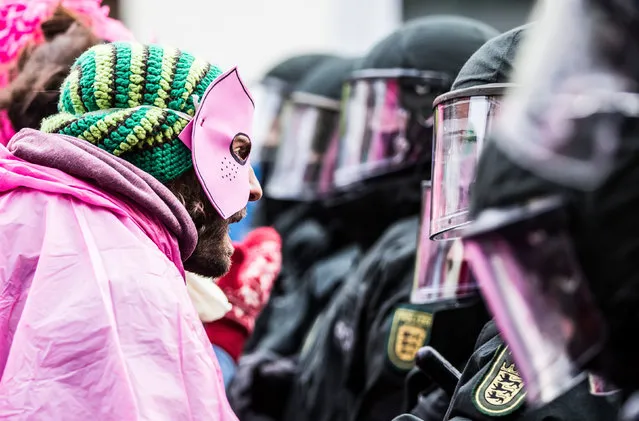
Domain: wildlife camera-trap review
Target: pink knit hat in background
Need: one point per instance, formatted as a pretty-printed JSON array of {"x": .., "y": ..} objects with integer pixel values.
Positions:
[{"x": 20, "y": 22}]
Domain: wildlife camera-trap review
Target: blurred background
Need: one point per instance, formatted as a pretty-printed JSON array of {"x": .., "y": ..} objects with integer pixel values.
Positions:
[{"x": 255, "y": 34}]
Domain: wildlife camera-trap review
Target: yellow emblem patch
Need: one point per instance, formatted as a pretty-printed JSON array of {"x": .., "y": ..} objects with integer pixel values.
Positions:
[
  {"x": 409, "y": 332},
  {"x": 501, "y": 391}
]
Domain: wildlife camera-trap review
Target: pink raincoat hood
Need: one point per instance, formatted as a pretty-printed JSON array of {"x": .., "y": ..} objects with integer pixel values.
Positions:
[
  {"x": 107, "y": 177},
  {"x": 95, "y": 319}
]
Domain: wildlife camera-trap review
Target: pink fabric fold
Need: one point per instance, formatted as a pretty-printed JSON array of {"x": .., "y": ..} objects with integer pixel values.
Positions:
[{"x": 95, "y": 319}]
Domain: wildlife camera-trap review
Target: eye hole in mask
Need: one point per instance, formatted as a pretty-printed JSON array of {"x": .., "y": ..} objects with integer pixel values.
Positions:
[{"x": 241, "y": 148}]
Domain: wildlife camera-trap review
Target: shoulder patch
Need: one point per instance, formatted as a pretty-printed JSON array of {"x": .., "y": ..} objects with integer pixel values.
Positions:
[
  {"x": 409, "y": 332},
  {"x": 501, "y": 391}
]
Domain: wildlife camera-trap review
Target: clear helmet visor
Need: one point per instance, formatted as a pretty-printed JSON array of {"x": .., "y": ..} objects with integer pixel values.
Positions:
[
  {"x": 525, "y": 264},
  {"x": 441, "y": 271},
  {"x": 463, "y": 120},
  {"x": 598, "y": 386},
  {"x": 269, "y": 97},
  {"x": 310, "y": 126},
  {"x": 326, "y": 181},
  {"x": 385, "y": 126},
  {"x": 563, "y": 123}
]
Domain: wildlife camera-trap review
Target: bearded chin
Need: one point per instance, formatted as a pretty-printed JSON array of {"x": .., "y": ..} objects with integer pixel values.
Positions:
[{"x": 211, "y": 256}]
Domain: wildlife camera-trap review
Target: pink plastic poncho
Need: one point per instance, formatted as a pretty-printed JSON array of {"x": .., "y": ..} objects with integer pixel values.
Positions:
[{"x": 95, "y": 319}]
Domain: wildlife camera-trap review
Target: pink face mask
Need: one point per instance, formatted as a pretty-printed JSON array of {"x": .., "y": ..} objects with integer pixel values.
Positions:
[{"x": 223, "y": 120}]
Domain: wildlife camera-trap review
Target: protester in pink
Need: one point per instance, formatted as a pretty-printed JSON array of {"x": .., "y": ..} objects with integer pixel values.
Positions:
[
  {"x": 134, "y": 181},
  {"x": 23, "y": 28}
]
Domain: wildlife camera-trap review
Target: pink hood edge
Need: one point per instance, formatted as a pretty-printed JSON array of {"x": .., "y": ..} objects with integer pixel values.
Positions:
[{"x": 105, "y": 173}]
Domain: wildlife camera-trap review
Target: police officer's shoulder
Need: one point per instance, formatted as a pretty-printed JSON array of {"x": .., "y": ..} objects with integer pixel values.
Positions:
[
  {"x": 390, "y": 254},
  {"x": 306, "y": 242},
  {"x": 499, "y": 391},
  {"x": 488, "y": 332},
  {"x": 397, "y": 244},
  {"x": 493, "y": 62},
  {"x": 399, "y": 229},
  {"x": 490, "y": 386},
  {"x": 330, "y": 272}
]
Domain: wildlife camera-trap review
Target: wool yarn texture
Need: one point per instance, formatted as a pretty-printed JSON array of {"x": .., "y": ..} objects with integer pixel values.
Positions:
[{"x": 132, "y": 101}]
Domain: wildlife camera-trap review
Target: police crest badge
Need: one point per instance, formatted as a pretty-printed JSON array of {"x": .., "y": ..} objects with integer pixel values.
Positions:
[
  {"x": 409, "y": 331},
  {"x": 501, "y": 391}
]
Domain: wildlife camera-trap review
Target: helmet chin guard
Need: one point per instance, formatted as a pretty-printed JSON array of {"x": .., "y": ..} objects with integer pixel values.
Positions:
[{"x": 225, "y": 112}]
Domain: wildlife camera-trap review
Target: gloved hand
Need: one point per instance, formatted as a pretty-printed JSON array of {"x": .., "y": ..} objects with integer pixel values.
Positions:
[
  {"x": 256, "y": 263},
  {"x": 262, "y": 379}
]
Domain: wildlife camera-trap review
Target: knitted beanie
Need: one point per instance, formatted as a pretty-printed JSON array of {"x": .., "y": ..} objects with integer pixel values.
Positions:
[{"x": 131, "y": 100}]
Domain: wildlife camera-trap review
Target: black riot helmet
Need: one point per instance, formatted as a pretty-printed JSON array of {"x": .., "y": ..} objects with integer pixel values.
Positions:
[
  {"x": 270, "y": 94},
  {"x": 554, "y": 241},
  {"x": 387, "y": 104},
  {"x": 310, "y": 119}
]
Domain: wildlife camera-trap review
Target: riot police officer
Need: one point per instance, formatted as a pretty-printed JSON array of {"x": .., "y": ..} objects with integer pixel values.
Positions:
[
  {"x": 356, "y": 357},
  {"x": 317, "y": 251},
  {"x": 270, "y": 94},
  {"x": 493, "y": 384}
]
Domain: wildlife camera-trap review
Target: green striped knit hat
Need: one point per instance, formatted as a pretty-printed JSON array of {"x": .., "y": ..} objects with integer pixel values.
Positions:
[{"x": 130, "y": 100}]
